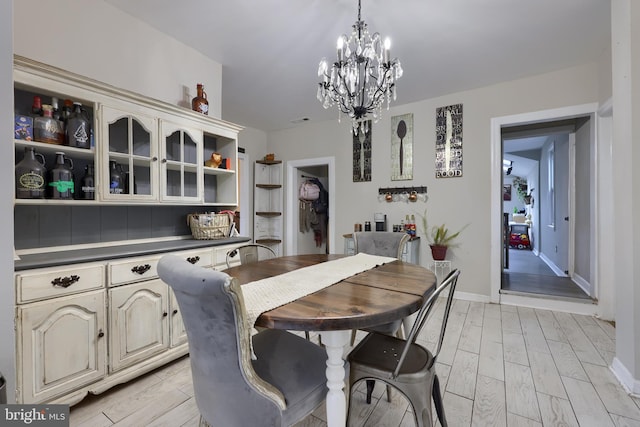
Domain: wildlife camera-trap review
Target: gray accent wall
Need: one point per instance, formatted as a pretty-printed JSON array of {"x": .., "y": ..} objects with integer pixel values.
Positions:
[{"x": 49, "y": 225}]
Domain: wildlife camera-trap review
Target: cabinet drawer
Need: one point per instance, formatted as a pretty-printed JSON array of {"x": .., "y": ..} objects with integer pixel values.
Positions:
[
  {"x": 202, "y": 258},
  {"x": 133, "y": 270},
  {"x": 50, "y": 283},
  {"x": 220, "y": 262}
]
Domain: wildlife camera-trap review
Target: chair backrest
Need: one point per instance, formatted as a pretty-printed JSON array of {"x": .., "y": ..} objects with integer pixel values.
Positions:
[
  {"x": 449, "y": 282},
  {"x": 252, "y": 252},
  {"x": 383, "y": 243},
  {"x": 227, "y": 389}
]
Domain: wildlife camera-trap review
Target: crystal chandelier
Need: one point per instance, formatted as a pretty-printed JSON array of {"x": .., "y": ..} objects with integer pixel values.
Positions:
[{"x": 362, "y": 77}]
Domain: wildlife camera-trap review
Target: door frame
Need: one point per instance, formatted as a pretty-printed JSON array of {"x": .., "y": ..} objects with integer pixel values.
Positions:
[
  {"x": 291, "y": 208},
  {"x": 497, "y": 123}
]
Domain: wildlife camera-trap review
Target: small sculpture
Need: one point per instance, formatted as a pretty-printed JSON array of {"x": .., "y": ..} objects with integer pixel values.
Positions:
[{"x": 214, "y": 161}]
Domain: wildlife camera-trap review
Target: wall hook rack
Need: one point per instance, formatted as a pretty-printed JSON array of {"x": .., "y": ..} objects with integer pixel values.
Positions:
[
  {"x": 400, "y": 190},
  {"x": 402, "y": 194}
]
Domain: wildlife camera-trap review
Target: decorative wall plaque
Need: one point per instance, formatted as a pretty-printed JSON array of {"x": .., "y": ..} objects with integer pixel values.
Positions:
[
  {"x": 449, "y": 141},
  {"x": 362, "y": 154},
  {"x": 402, "y": 147}
]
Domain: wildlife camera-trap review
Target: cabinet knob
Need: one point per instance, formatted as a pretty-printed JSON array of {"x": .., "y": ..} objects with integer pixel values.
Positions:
[
  {"x": 175, "y": 312},
  {"x": 164, "y": 160},
  {"x": 65, "y": 282},
  {"x": 165, "y": 314},
  {"x": 193, "y": 259},
  {"x": 141, "y": 269},
  {"x": 154, "y": 159},
  {"x": 100, "y": 333}
]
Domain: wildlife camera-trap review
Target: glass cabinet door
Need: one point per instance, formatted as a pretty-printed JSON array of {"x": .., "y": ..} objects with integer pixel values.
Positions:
[
  {"x": 130, "y": 161},
  {"x": 180, "y": 164}
]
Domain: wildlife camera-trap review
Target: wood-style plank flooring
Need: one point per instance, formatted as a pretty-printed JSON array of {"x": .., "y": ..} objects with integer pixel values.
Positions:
[
  {"x": 500, "y": 366},
  {"x": 528, "y": 274}
]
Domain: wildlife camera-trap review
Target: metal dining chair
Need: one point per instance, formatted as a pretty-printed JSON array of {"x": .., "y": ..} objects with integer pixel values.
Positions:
[
  {"x": 251, "y": 252},
  {"x": 282, "y": 385},
  {"x": 382, "y": 243},
  {"x": 404, "y": 364}
]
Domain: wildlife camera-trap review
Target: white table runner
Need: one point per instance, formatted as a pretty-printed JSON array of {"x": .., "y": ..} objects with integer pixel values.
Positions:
[{"x": 267, "y": 294}]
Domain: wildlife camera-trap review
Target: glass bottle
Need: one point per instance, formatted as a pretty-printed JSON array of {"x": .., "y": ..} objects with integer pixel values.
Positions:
[
  {"x": 56, "y": 110},
  {"x": 87, "y": 184},
  {"x": 67, "y": 108},
  {"x": 30, "y": 175},
  {"x": 36, "y": 108},
  {"x": 78, "y": 128},
  {"x": 46, "y": 128},
  {"x": 200, "y": 103},
  {"x": 61, "y": 183},
  {"x": 116, "y": 179}
]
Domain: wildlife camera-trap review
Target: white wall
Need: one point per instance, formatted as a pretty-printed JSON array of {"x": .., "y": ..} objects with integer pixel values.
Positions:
[
  {"x": 7, "y": 298},
  {"x": 625, "y": 189},
  {"x": 254, "y": 142},
  {"x": 456, "y": 201},
  {"x": 94, "y": 39}
]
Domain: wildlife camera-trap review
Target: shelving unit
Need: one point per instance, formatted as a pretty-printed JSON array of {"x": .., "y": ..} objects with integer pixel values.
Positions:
[
  {"x": 267, "y": 204},
  {"x": 159, "y": 147}
]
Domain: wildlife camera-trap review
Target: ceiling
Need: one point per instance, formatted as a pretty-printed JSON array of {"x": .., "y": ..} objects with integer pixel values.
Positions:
[
  {"x": 270, "y": 49},
  {"x": 522, "y": 166}
]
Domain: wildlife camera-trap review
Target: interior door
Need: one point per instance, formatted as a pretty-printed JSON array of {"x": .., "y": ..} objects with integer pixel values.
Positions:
[{"x": 562, "y": 211}]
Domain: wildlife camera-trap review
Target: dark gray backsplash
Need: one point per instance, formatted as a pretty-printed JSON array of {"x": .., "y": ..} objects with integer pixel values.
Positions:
[{"x": 44, "y": 226}]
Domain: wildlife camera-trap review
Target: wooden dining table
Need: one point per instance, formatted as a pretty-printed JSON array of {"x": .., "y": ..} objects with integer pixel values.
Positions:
[{"x": 376, "y": 296}]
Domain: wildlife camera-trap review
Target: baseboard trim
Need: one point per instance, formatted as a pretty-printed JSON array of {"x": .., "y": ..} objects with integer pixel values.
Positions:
[
  {"x": 468, "y": 296},
  {"x": 582, "y": 283},
  {"x": 552, "y": 266},
  {"x": 630, "y": 384}
]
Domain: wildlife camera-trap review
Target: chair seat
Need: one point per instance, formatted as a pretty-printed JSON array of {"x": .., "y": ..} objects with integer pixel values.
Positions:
[
  {"x": 390, "y": 328},
  {"x": 379, "y": 354},
  {"x": 294, "y": 366}
]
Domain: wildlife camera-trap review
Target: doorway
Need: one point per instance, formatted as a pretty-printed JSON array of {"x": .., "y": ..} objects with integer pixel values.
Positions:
[
  {"x": 323, "y": 168},
  {"x": 555, "y": 162}
]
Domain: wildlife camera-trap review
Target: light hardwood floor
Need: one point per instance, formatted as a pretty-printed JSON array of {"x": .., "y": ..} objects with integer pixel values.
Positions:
[{"x": 500, "y": 366}]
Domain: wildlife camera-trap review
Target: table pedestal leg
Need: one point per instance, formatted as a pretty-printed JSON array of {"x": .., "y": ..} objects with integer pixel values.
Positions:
[{"x": 335, "y": 343}]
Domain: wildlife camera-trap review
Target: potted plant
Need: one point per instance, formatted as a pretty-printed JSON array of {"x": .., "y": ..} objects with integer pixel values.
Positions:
[
  {"x": 520, "y": 186},
  {"x": 440, "y": 238}
]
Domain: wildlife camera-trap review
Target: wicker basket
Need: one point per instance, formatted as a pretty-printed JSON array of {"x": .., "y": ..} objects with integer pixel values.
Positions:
[{"x": 209, "y": 226}]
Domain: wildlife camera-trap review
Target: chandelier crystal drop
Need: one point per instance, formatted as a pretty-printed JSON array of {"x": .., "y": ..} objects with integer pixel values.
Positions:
[{"x": 362, "y": 78}]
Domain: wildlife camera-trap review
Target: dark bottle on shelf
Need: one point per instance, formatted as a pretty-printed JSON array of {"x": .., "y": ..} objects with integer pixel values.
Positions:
[
  {"x": 77, "y": 128},
  {"x": 36, "y": 108},
  {"x": 61, "y": 183},
  {"x": 56, "y": 110},
  {"x": 87, "y": 185},
  {"x": 116, "y": 178},
  {"x": 30, "y": 175},
  {"x": 67, "y": 107}
]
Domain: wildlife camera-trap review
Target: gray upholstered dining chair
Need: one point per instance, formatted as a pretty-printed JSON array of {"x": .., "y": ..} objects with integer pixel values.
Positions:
[
  {"x": 251, "y": 252},
  {"x": 282, "y": 385},
  {"x": 382, "y": 243},
  {"x": 404, "y": 364}
]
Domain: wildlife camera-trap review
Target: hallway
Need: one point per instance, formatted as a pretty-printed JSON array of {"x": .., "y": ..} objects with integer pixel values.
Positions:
[{"x": 527, "y": 273}]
